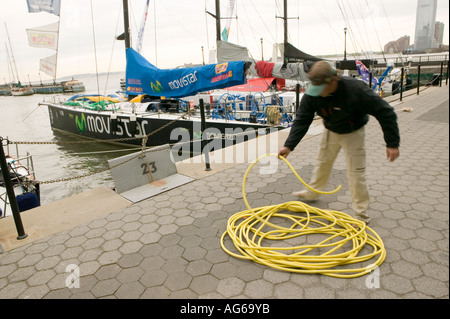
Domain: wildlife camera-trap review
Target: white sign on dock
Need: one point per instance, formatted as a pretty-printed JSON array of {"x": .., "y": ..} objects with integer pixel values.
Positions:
[{"x": 146, "y": 174}]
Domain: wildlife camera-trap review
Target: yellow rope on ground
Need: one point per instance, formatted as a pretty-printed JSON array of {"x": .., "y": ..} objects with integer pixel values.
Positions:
[{"x": 315, "y": 240}]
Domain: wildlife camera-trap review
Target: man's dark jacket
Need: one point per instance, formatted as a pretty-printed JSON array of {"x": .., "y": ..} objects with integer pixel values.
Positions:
[{"x": 345, "y": 111}]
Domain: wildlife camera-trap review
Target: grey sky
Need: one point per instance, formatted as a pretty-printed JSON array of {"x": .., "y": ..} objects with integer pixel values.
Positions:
[{"x": 182, "y": 28}]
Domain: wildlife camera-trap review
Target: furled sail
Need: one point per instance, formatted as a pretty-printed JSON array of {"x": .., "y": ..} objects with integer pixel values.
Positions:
[
  {"x": 227, "y": 52},
  {"x": 142, "y": 77}
]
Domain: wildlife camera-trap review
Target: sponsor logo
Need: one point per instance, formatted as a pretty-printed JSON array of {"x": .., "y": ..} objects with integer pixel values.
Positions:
[
  {"x": 134, "y": 89},
  {"x": 156, "y": 87},
  {"x": 221, "y": 67},
  {"x": 134, "y": 81},
  {"x": 102, "y": 125},
  {"x": 222, "y": 77},
  {"x": 80, "y": 122},
  {"x": 184, "y": 81}
]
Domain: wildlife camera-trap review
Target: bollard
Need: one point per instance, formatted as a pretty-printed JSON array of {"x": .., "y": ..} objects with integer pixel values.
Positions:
[
  {"x": 10, "y": 191},
  {"x": 202, "y": 115},
  {"x": 401, "y": 84}
]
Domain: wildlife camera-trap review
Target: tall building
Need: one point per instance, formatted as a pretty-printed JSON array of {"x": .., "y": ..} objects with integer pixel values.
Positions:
[
  {"x": 425, "y": 24},
  {"x": 399, "y": 45},
  {"x": 439, "y": 33}
]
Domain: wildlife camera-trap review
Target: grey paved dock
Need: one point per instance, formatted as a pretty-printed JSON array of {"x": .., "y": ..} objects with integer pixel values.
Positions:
[{"x": 168, "y": 246}]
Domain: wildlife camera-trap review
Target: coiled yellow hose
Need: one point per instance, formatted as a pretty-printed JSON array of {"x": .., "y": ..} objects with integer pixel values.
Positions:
[{"x": 315, "y": 240}]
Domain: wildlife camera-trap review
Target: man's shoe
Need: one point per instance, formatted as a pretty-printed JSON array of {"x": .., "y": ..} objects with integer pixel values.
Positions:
[
  {"x": 363, "y": 217},
  {"x": 304, "y": 195}
]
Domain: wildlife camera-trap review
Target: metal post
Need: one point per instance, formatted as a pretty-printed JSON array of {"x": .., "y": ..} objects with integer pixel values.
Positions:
[
  {"x": 297, "y": 96},
  {"x": 446, "y": 76},
  {"x": 442, "y": 73},
  {"x": 10, "y": 191},
  {"x": 418, "y": 79},
  {"x": 285, "y": 25},
  {"x": 401, "y": 84},
  {"x": 202, "y": 115},
  {"x": 345, "y": 43}
]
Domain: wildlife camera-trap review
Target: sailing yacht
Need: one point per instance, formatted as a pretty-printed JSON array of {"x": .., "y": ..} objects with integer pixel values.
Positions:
[{"x": 165, "y": 112}]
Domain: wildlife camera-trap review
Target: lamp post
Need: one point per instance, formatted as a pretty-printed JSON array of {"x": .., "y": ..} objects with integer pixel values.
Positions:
[
  {"x": 262, "y": 51},
  {"x": 345, "y": 44}
]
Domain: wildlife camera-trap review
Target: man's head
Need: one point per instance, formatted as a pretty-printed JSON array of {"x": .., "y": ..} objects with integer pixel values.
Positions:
[{"x": 323, "y": 79}]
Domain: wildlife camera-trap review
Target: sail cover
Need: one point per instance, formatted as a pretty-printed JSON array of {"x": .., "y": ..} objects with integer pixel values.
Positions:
[
  {"x": 142, "y": 77},
  {"x": 292, "y": 54}
]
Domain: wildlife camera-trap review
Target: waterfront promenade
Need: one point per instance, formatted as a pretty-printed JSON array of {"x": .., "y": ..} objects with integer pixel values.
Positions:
[{"x": 168, "y": 246}]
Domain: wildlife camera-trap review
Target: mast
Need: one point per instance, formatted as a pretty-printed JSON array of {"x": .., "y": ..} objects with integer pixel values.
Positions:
[
  {"x": 217, "y": 17},
  {"x": 126, "y": 24},
  {"x": 285, "y": 18},
  {"x": 285, "y": 24},
  {"x": 218, "y": 20},
  {"x": 13, "y": 61},
  {"x": 10, "y": 68}
]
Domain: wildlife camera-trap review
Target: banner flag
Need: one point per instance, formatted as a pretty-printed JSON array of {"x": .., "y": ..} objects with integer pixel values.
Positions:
[
  {"x": 44, "y": 37},
  {"x": 50, "y": 6},
  {"x": 365, "y": 73},
  {"x": 226, "y": 30},
  {"x": 48, "y": 65},
  {"x": 140, "y": 35}
]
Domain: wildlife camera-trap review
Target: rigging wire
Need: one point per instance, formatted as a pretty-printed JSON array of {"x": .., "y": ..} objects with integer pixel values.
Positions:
[
  {"x": 376, "y": 32},
  {"x": 95, "y": 49},
  {"x": 327, "y": 21},
  {"x": 392, "y": 32},
  {"x": 353, "y": 39},
  {"x": 112, "y": 50},
  {"x": 349, "y": 27}
]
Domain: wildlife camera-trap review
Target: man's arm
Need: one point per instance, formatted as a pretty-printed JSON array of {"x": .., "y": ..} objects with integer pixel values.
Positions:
[
  {"x": 385, "y": 115},
  {"x": 303, "y": 119}
]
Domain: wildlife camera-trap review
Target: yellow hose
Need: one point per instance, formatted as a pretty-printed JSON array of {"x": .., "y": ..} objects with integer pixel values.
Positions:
[{"x": 314, "y": 240}]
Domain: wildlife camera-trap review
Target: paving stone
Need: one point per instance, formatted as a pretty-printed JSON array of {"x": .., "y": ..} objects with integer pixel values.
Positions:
[
  {"x": 105, "y": 287},
  {"x": 258, "y": 289},
  {"x": 288, "y": 290},
  {"x": 230, "y": 287},
  {"x": 204, "y": 284},
  {"x": 168, "y": 246}
]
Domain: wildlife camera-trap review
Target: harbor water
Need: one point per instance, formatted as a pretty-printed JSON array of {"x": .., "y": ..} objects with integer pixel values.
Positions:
[{"x": 23, "y": 119}]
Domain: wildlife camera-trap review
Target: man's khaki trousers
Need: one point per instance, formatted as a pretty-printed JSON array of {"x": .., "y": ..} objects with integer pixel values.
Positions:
[{"x": 355, "y": 155}]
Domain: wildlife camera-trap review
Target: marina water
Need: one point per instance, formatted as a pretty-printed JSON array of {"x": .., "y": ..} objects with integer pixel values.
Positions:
[{"x": 22, "y": 119}]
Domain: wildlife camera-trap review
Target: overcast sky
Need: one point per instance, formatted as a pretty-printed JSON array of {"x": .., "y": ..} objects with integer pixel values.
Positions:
[{"x": 176, "y": 30}]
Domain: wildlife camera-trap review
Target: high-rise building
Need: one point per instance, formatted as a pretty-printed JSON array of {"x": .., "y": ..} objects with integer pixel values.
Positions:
[
  {"x": 425, "y": 24},
  {"x": 439, "y": 33},
  {"x": 399, "y": 45}
]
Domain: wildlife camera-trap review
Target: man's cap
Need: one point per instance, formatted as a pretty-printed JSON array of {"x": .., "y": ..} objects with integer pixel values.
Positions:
[{"x": 320, "y": 75}]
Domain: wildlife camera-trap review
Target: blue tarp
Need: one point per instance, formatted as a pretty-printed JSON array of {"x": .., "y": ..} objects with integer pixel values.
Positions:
[{"x": 144, "y": 78}]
